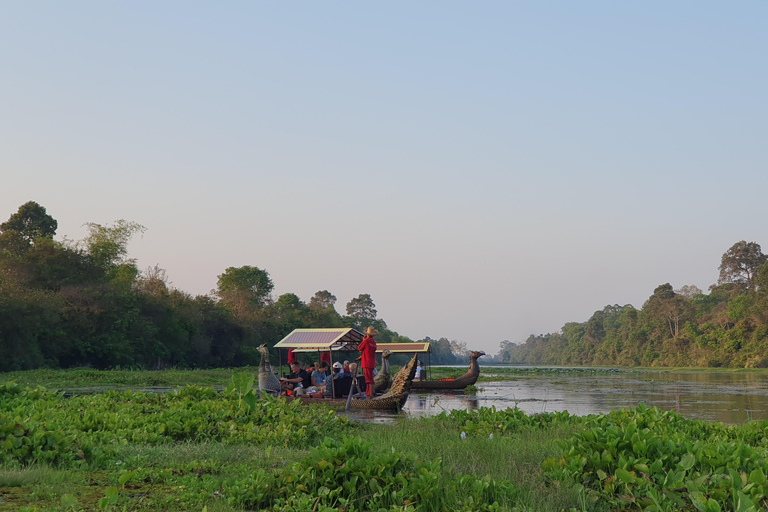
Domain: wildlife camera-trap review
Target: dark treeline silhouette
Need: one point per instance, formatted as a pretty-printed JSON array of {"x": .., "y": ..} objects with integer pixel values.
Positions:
[
  {"x": 85, "y": 303},
  {"x": 727, "y": 327}
]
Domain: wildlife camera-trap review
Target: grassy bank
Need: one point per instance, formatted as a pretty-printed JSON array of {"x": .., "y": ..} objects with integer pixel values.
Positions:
[
  {"x": 136, "y": 379},
  {"x": 197, "y": 448}
]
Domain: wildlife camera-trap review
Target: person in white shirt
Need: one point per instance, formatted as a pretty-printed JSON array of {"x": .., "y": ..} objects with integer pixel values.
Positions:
[{"x": 419, "y": 371}]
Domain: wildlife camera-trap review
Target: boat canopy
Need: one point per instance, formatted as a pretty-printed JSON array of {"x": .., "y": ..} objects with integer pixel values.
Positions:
[
  {"x": 404, "y": 348},
  {"x": 344, "y": 339}
]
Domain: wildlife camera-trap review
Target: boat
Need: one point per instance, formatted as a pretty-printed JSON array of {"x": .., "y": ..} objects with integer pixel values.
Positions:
[
  {"x": 392, "y": 400},
  {"x": 462, "y": 382}
]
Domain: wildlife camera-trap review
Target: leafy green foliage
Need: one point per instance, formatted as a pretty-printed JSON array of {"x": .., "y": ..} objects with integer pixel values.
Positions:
[
  {"x": 656, "y": 460},
  {"x": 40, "y": 426},
  {"x": 488, "y": 420},
  {"x": 31, "y": 222},
  {"x": 351, "y": 475}
]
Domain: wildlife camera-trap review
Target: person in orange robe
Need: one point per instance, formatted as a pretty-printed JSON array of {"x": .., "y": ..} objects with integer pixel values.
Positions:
[{"x": 367, "y": 359}]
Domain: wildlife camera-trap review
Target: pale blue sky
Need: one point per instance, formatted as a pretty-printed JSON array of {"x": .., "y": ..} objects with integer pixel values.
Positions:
[{"x": 484, "y": 171}]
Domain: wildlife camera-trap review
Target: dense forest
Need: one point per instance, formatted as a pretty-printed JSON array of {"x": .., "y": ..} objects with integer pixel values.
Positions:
[
  {"x": 726, "y": 327},
  {"x": 80, "y": 303}
]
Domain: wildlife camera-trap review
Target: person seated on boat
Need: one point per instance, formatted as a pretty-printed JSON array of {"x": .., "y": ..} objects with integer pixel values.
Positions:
[
  {"x": 337, "y": 371},
  {"x": 345, "y": 367},
  {"x": 297, "y": 379},
  {"x": 311, "y": 368},
  {"x": 367, "y": 349},
  {"x": 419, "y": 372},
  {"x": 319, "y": 376}
]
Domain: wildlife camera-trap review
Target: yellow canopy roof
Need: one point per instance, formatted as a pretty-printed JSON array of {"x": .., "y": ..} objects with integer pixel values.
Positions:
[{"x": 403, "y": 348}]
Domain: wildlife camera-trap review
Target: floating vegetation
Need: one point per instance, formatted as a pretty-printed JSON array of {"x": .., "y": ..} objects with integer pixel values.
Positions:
[
  {"x": 231, "y": 450},
  {"x": 657, "y": 460}
]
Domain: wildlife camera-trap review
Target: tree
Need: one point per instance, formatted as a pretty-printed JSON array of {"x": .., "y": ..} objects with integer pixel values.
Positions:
[
  {"x": 288, "y": 303},
  {"x": 741, "y": 263},
  {"x": 31, "y": 222},
  {"x": 362, "y": 308},
  {"x": 153, "y": 281},
  {"x": 667, "y": 306},
  {"x": 459, "y": 349},
  {"x": 689, "y": 291},
  {"x": 322, "y": 299},
  {"x": 246, "y": 284},
  {"x": 108, "y": 245}
]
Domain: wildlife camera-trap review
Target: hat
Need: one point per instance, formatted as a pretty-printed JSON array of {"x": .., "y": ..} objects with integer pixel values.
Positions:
[
  {"x": 370, "y": 331},
  {"x": 337, "y": 365}
]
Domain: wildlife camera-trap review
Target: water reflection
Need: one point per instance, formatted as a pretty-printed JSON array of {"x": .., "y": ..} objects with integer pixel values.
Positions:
[{"x": 728, "y": 397}]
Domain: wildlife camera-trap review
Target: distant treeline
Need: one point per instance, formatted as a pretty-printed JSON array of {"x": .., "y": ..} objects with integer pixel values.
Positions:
[
  {"x": 85, "y": 303},
  {"x": 727, "y": 327}
]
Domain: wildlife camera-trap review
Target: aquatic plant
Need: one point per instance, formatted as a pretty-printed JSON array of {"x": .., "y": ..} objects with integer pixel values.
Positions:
[
  {"x": 37, "y": 425},
  {"x": 658, "y": 460},
  {"x": 487, "y": 420}
]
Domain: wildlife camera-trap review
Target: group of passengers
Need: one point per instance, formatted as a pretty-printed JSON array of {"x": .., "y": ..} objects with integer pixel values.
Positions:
[{"x": 315, "y": 378}]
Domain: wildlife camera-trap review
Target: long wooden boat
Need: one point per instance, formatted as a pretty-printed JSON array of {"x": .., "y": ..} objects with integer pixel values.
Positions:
[
  {"x": 462, "y": 382},
  {"x": 392, "y": 400}
]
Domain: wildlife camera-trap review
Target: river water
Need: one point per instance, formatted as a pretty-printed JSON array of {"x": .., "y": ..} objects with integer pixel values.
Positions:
[{"x": 723, "y": 396}]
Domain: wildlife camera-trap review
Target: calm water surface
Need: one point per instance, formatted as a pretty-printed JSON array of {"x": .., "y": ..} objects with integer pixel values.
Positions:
[{"x": 728, "y": 397}]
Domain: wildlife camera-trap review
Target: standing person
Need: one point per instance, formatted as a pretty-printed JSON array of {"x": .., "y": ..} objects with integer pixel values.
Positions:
[{"x": 367, "y": 359}]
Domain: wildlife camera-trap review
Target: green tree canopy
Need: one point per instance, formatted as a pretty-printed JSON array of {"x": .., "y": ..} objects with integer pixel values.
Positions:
[
  {"x": 322, "y": 299},
  {"x": 740, "y": 264},
  {"x": 362, "y": 308},
  {"x": 108, "y": 245},
  {"x": 252, "y": 283},
  {"x": 31, "y": 222}
]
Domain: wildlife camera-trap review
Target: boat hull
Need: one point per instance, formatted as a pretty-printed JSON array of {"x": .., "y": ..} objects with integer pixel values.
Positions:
[
  {"x": 459, "y": 383},
  {"x": 384, "y": 403}
]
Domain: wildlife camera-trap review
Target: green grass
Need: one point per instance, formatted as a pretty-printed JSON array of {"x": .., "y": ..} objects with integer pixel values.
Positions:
[
  {"x": 187, "y": 476},
  {"x": 86, "y": 377},
  {"x": 515, "y": 458}
]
